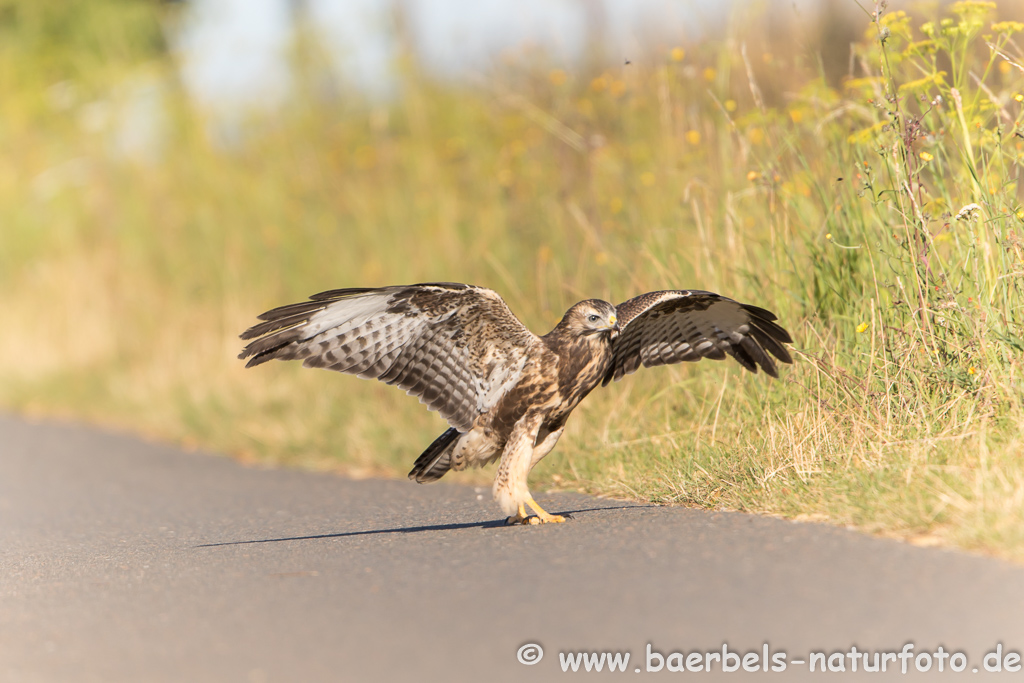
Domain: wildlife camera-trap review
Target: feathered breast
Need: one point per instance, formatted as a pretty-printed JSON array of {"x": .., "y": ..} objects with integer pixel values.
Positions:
[{"x": 582, "y": 363}]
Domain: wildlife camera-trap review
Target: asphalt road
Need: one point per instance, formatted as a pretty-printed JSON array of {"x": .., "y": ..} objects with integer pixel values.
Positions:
[{"x": 122, "y": 560}]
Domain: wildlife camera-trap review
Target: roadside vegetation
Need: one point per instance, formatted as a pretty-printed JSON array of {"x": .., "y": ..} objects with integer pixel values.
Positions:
[{"x": 878, "y": 211}]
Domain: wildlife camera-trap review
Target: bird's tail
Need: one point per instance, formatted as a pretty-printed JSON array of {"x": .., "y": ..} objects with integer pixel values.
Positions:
[{"x": 437, "y": 459}]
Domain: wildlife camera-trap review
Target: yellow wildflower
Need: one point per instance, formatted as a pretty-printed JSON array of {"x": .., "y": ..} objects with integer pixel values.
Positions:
[
  {"x": 1008, "y": 27},
  {"x": 938, "y": 78},
  {"x": 921, "y": 47},
  {"x": 677, "y": 54},
  {"x": 972, "y": 6},
  {"x": 867, "y": 134},
  {"x": 862, "y": 328}
]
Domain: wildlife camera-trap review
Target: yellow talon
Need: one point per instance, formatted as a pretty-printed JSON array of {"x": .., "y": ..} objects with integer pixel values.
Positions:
[
  {"x": 520, "y": 517},
  {"x": 542, "y": 516}
]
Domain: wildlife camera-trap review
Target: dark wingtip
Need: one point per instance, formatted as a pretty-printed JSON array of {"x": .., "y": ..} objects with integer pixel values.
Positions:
[
  {"x": 785, "y": 336},
  {"x": 767, "y": 322},
  {"x": 259, "y": 359},
  {"x": 258, "y": 356},
  {"x": 434, "y": 462}
]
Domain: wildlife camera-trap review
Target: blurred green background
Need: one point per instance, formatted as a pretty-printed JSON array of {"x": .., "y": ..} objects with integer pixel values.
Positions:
[{"x": 855, "y": 170}]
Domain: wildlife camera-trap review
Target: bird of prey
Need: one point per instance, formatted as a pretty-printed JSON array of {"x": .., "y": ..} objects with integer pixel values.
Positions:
[{"x": 506, "y": 392}]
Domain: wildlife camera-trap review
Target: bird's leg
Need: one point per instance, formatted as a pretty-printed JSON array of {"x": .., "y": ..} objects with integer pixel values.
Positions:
[
  {"x": 520, "y": 454},
  {"x": 520, "y": 517},
  {"x": 543, "y": 516}
]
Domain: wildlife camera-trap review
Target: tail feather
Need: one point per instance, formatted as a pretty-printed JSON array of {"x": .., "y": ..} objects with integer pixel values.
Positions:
[{"x": 437, "y": 459}]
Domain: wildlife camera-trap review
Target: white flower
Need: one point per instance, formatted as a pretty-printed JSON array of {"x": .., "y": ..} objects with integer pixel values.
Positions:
[{"x": 967, "y": 212}]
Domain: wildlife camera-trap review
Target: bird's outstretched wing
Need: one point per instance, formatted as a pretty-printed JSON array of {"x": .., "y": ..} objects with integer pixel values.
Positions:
[
  {"x": 457, "y": 347},
  {"x": 659, "y": 328}
]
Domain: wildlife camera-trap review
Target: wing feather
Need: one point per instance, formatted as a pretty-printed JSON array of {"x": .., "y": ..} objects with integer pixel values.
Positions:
[
  {"x": 772, "y": 343},
  {"x": 456, "y": 347},
  {"x": 660, "y": 328}
]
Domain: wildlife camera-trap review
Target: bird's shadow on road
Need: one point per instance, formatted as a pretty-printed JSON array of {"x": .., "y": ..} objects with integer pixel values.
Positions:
[{"x": 490, "y": 524}]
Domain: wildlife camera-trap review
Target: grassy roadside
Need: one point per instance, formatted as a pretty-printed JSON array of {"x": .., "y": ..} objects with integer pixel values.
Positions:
[{"x": 727, "y": 165}]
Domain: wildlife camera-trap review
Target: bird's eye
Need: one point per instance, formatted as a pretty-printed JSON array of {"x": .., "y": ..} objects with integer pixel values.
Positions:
[{"x": 593, "y": 317}]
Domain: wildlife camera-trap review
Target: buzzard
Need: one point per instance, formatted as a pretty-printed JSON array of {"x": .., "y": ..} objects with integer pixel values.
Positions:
[{"x": 506, "y": 392}]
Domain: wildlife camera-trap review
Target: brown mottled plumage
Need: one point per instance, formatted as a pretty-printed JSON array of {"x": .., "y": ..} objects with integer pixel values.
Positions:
[{"x": 505, "y": 391}]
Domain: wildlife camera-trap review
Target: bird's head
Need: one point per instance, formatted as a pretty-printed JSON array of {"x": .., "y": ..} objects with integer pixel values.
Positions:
[{"x": 591, "y": 317}]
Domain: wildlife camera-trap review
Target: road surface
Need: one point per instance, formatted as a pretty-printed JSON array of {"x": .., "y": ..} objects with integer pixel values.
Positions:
[{"x": 122, "y": 560}]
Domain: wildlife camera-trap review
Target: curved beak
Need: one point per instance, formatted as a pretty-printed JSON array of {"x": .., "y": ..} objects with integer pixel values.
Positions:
[{"x": 614, "y": 326}]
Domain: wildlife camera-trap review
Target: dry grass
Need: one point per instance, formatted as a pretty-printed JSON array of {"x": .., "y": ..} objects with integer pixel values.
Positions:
[{"x": 738, "y": 170}]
